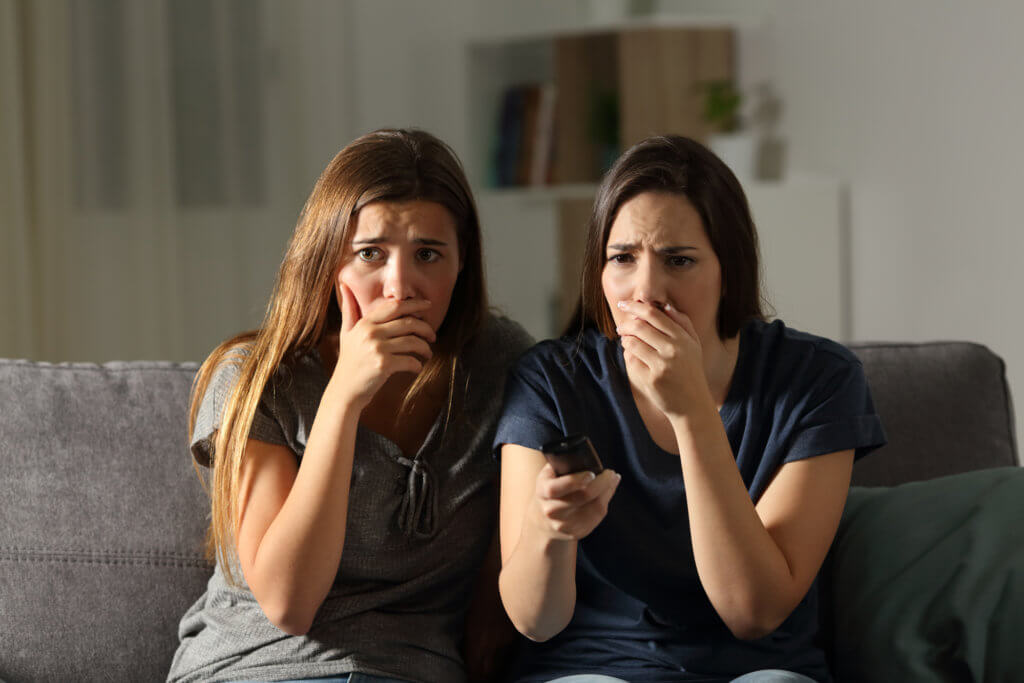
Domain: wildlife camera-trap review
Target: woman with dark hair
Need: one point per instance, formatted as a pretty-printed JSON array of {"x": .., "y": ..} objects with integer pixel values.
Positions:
[
  {"x": 727, "y": 442},
  {"x": 353, "y": 495}
]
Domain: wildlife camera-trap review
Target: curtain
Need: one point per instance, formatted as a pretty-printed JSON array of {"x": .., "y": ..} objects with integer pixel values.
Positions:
[
  {"x": 17, "y": 327},
  {"x": 153, "y": 159}
]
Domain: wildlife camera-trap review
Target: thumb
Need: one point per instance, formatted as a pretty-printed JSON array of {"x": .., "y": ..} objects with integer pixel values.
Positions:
[{"x": 350, "y": 313}]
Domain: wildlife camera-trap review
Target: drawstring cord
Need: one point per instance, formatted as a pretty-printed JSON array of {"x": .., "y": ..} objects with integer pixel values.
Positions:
[{"x": 417, "y": 513}]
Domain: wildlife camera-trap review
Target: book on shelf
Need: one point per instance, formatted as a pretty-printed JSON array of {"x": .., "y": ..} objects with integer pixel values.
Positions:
[
  {"x": 544, "y": 138},
  {"x": 526, "y": 130}
]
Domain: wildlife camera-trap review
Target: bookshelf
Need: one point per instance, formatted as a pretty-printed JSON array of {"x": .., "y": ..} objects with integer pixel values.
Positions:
[
  {"x": 582, "y": 97},
  {"x": 534, "y": 229}
]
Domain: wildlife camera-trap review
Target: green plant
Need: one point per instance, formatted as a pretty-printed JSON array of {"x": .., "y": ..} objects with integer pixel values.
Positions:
[
  {"x": 722, "y": 102},
  {"x": 603, "y": 126},
  {"x": 603, "y": 122}
]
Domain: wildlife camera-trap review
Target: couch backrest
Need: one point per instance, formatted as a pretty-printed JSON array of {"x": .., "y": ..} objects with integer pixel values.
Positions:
[
  {"x": 102, "y": 520},
  {"x": 945, "y": 407}
]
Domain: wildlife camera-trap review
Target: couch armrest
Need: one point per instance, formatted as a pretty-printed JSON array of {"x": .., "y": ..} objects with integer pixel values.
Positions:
[{"x": 101, "y": 529}]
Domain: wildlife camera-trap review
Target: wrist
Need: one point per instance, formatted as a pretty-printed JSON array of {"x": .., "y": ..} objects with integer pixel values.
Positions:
[
  {"x": 703, "y": 418},
  {"x": 541, "y": 537},
  {"x": 340, "y": 395},
  {"x": 695, "y": 404}
]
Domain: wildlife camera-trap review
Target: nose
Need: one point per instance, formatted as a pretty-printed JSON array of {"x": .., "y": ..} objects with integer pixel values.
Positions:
[
  {"x": 399, "y": 278},
  {"x": 649, "y": 285}
]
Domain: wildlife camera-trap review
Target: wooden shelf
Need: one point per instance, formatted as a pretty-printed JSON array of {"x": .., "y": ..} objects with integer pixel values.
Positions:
[
  {"x": 746, "y": 20},
  {"x": 614, "y": 85}
]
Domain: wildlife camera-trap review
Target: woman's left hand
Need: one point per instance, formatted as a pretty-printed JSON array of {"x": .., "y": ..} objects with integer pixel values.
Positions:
[{"x": 664, "y": 357}]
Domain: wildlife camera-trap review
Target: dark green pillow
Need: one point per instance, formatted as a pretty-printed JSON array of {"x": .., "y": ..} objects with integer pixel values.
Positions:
[{"x": 927, "y": 581}]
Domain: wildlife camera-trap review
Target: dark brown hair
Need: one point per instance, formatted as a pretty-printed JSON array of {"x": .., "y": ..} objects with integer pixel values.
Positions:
[{"x": 677, "y": 165}]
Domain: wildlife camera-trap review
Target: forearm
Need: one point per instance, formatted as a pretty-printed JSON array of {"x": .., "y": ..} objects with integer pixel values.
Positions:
[
  {"x": 297, "y": 559},
  {"x": 742, "y": 569},
  {"x": 538, "y": 584}
]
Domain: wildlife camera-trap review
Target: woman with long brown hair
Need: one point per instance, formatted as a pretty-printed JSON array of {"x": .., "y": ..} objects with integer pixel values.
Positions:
[
  {"x": 353, "y": 495},
  {"x": 727, "y": 442}
]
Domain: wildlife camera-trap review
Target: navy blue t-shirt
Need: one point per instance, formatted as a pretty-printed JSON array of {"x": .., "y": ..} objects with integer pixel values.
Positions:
[{"x": 641, "y": 611}]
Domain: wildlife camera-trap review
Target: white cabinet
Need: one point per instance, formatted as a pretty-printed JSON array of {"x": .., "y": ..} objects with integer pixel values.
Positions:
[{"x": 804, "y": 254}]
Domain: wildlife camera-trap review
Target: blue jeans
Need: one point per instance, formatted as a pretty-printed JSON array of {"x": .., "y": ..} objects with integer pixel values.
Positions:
[
  {"x": 772, "y": 676},
  {"x": 764, "y": 676},
  {"x": 344, "y": 678}
]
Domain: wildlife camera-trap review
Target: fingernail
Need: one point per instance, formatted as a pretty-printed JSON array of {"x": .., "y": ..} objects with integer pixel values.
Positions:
[
  {"x": 623, "y": 305},
  {"x": 668, "y": 307},
  {"x": 590, "y": 476}
]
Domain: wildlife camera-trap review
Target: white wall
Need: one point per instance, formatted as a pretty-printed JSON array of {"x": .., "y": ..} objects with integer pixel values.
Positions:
[{"x": 919, "y": 106}]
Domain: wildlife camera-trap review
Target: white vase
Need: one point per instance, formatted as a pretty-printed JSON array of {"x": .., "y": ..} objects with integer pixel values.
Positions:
[{"x": 738, "y": 151}]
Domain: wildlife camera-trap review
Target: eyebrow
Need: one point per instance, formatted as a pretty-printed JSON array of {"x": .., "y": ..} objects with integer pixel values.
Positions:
[
  {"x": 384, "y": 240},
  {"x": 630, "y": 246}
]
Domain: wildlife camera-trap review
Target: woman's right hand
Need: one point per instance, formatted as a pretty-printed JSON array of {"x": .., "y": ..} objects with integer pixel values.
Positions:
[
  {"x": 386, "y": 340},
  {"x": 569, "y": 507}
]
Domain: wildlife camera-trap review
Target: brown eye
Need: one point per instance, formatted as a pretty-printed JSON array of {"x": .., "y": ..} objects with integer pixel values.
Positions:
[
  {"x": 370, "y": 254},
  {"x": 428, "y": 255}
]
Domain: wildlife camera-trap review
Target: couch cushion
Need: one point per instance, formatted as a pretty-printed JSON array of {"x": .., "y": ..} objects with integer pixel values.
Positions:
[
  {"x": 102, "y": 521},
  {"x": 945, "y": 407},
  {"x": 927, "y": 580}
]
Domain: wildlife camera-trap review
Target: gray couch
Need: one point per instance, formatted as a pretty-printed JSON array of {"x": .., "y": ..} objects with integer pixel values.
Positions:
[{"x": 103, "y": 518}]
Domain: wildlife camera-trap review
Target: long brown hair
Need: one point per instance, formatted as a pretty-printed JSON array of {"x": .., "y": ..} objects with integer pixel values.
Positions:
[
  {"x": 385, "y": 165},
  {"x": 677, "y": 165}
]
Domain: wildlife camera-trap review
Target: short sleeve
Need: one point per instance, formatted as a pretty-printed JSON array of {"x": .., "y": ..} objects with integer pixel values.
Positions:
[
  {"x": 509, "y": 339},
  {"x": 265, "y": 426},
  {"x": 837, "y": 414},
  {"x": 529, "y": 414}
]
